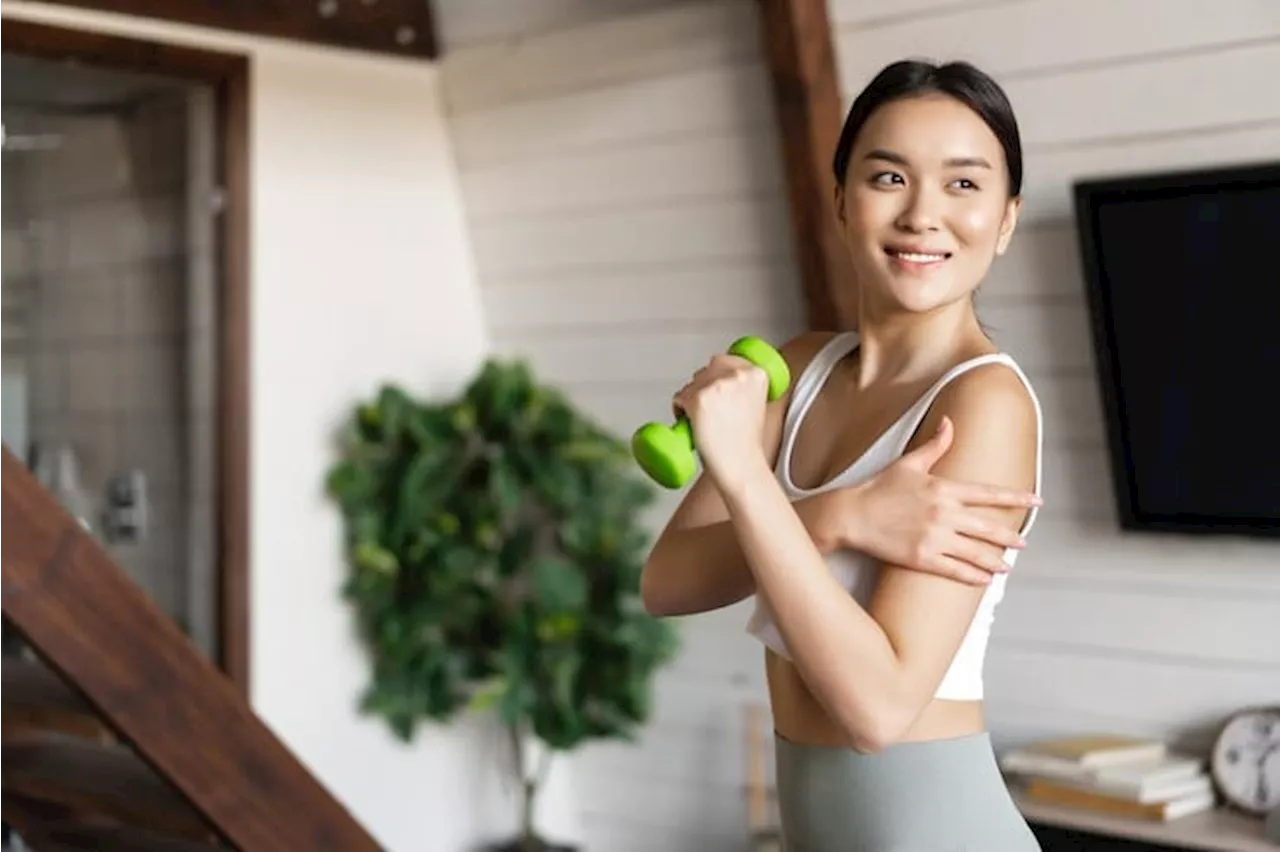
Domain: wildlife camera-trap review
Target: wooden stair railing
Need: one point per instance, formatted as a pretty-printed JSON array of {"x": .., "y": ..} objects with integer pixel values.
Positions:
[{"x": 129, "y": 738}]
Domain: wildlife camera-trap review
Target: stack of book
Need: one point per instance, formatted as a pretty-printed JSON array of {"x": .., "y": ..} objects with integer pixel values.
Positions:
[{"x": 1115, "y": 775}]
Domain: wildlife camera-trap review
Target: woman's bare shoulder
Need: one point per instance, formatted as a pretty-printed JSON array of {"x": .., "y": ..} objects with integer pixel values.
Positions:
[
  {"x": 991, "y": 390},
  {"x": 801, "y": 349},
  {"x": 997, "y": 424}
]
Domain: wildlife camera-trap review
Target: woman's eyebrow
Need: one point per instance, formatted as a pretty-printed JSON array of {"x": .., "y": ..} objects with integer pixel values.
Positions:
[
  {"x": 960, "y": 162},
  {"x": 953, "y": 162},
  {"x": 888, "y": 156}
]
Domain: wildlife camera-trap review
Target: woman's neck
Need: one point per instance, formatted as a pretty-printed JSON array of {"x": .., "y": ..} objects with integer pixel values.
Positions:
[{"x": 902, "y": 346}]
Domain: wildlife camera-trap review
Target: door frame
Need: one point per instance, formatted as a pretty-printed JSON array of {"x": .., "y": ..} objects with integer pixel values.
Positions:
[{"x": 228, "y": 75}]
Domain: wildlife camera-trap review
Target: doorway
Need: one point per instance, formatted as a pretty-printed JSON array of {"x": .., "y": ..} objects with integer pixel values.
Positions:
[{"x": 125, "y": 285}]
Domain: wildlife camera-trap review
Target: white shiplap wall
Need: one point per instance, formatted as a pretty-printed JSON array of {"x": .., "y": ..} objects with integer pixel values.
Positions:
[
  {"x": 1151, "y": 635},
  {"x": 625, "y": 199}
]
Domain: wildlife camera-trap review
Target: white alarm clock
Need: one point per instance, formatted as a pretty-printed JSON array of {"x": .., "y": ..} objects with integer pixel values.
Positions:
[{"x": 1245, "y": 763}]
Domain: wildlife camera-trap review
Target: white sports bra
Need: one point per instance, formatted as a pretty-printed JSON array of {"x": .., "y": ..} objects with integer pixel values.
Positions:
[{"x": 857, "y": 571}]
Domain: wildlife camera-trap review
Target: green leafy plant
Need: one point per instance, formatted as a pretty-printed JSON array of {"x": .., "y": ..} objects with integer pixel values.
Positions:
[{"x": 495, "y": 546}]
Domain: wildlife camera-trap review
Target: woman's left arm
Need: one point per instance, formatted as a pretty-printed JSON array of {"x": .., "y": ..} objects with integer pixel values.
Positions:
[{"x": 875, "y": 670}]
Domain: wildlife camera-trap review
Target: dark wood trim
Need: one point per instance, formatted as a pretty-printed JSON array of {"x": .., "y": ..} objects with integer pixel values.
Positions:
[
  {"x": 229, "y": 76},
  {"x": 105, "y": 637},
  {"x": 403, "y": 28},
  {"x": 234, "y": 406},
  {"x": 796, "y": 35},
  {"x": 105, "y": 50}
]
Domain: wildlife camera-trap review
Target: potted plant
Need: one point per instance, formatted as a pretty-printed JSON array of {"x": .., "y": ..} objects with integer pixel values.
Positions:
[{"x": 495, "y": 546}]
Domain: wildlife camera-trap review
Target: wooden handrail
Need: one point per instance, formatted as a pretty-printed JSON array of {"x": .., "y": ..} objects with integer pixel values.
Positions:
[{"x": 182, "y": 716}]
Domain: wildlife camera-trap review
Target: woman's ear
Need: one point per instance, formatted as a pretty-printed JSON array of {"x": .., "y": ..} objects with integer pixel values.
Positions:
[{"x": 1008, "y": 223}]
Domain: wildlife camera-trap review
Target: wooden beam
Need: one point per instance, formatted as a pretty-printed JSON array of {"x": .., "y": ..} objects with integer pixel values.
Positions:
[
  {"x": 398, "y": 27},
  {"x": 797, "y": 43},
  {"x": 102, "y": 50},
  {"x": 107, "y": 638}
]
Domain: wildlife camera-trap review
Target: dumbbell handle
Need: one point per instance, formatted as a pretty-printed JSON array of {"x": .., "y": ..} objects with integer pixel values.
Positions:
[{"x": 683, "y": 429}]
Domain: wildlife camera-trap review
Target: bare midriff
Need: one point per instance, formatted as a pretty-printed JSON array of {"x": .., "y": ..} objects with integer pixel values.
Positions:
[{"x": 799, "y": 717}]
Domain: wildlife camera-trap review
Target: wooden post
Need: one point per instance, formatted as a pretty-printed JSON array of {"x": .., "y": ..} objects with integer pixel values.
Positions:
[{"x": 806, "y": 92}]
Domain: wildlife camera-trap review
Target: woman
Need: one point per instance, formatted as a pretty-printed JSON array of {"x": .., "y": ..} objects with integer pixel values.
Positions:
[{"x": 856, "y": 552}]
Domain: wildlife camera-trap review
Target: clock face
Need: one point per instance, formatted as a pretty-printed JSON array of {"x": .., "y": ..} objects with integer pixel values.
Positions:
[{"x": 1246, "y": 760}]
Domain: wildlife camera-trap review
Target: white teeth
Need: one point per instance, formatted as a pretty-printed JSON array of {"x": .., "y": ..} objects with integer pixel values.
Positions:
[{"x": 918, "y": 258}]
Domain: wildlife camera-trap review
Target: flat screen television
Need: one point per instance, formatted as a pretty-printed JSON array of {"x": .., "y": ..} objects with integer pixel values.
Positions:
[{"x": 1182, "y": 277}]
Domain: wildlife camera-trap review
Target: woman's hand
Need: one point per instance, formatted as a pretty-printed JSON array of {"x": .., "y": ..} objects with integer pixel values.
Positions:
[
  {"x": 905, "y": 516},
  {"x": 725, "y": 403}
]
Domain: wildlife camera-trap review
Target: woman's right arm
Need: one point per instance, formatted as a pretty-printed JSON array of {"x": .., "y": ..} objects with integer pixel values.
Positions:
[{"x": 696, "y": 565}]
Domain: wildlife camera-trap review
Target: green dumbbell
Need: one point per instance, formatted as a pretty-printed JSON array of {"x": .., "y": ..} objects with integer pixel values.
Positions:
[{"x": 665, "y": 452}]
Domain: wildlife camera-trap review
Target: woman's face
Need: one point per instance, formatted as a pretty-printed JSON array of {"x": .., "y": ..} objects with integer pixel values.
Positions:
[{"x": 925, "y": 205}]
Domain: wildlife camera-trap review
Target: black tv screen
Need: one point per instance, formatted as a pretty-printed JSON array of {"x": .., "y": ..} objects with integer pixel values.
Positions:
[{"x": 1182, "y": 275}]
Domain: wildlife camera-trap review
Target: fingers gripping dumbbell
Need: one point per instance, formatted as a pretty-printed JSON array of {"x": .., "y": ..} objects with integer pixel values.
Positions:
[{"x": 666, "y": 452}]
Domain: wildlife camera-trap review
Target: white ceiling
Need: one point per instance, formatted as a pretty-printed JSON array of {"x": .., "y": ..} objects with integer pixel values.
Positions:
[{"x": 463, "y": 22}]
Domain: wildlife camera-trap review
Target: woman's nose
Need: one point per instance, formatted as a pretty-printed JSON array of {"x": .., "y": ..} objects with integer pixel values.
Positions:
[{"x": 920, "y": 215}]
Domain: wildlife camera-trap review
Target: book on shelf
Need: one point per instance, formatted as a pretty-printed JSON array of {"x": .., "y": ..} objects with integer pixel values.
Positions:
[
  {"x": 1093, "y": 751},
  {"x": 1052, "y": 793},
  {"x": 1122, "y": 776}
]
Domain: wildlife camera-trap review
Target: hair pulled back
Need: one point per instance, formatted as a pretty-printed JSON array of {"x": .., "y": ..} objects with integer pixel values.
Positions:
[{"x": 960, "y": 80}]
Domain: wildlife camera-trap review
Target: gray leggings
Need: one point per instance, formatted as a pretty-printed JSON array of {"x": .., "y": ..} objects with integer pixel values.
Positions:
[{"x": 933, "y": 796}]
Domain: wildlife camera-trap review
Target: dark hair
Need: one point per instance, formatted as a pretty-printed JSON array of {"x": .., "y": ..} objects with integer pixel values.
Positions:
[{"x": 960, "y": 80}]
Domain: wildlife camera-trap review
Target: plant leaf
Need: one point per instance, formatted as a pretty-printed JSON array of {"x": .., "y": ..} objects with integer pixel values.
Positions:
[{"x": 559, "y": 586}]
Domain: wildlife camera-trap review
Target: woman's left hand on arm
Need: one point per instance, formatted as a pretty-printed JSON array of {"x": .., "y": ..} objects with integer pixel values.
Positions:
[{"x": 910, "y": 515}]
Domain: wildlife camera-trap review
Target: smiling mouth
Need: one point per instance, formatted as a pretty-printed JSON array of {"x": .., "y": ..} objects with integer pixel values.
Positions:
[{"x": 916, "y": 256}]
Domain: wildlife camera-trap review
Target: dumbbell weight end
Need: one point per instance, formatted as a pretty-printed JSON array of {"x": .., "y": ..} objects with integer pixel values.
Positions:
[{"x": 665, "y": 452}]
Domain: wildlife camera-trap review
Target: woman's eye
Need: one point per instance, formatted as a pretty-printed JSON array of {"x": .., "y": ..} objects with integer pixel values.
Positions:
[
  {"x": 964, "y": 183},
  {"x": 886, "y": 179}
]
